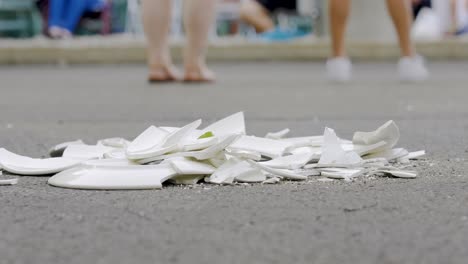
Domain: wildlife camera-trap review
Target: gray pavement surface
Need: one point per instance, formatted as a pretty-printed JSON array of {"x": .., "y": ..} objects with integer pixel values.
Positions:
[{"x": 384, "y": 220}]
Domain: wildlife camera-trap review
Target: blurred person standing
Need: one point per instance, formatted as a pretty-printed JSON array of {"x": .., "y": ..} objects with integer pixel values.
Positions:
[
  {"x": 258, "y": 14},
  {"x": 418, "y": 5},
  {"x": 198, "y": 18},
  {"x": 457, "y": 24},
  {"x": 64, "y": 15},
  {"x": 410, "y": 67},
  {"x": 452, "y": 14}
]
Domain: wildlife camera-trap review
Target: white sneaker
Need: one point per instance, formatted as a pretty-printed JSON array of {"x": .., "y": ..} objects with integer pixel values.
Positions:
[
  {"x": 412, "y": 69},
  {"x": 339, "y": 69}
]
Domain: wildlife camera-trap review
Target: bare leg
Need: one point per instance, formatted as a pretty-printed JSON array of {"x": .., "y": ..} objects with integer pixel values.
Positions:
[
  {"x": 338, "y": 12},
  {"x": 256, "y": 15},
  {"x": 401, "y": 16},
  {"x": 198, "y": 18},
  {"x": 156, "y": 21},
  {"x": 453, "y": 17}
]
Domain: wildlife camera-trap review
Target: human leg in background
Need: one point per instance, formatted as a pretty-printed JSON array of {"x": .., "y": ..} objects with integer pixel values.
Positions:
[
  {"x": 198, "y": 19},
  {"x": 411, "y": 67},
  {"x": 338, "y": 66},
  {"x": 399, "y": 11},
  {"x": 459, "y": 15},
  {"x": 76, "y": 8},
  {"x": 156, "y": 22},
  {"x": 55, "y": 19},
  {"x": 339, "y": 13},
  {"x": 256, "y": 15}
]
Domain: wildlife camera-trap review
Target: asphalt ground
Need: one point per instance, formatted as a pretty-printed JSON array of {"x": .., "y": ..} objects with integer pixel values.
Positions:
[{"x": 383, "y": 220}]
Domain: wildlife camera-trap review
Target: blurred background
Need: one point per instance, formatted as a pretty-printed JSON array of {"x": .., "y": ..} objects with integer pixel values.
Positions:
[
  {"x": 29, "y": 19},
  {"x": 434, "y": 19},
  {"x": 439, "y": 24}
]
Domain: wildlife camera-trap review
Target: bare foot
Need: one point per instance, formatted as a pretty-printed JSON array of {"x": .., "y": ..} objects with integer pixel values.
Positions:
[
  {"x": 163, "y": 73},
  {"x": 199, "y": 74}
]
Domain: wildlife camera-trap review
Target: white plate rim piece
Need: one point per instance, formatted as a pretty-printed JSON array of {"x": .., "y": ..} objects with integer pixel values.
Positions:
[
  {"x": 17, "y": 164},
  {"x": 62, "y": 179},
  {"x": 233, "y": 124}
]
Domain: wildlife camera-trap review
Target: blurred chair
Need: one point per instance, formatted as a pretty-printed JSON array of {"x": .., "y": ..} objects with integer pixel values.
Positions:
[{"x": 19, "y": 18}]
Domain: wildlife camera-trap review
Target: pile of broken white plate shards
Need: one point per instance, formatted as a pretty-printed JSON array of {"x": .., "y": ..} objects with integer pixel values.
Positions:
[{"x": 221, "y": 153}]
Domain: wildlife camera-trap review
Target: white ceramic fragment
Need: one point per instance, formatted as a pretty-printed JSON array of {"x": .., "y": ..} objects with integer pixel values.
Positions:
[
  {"x": 233, "y": 124},
  {"x": 377, "y": 162},
  {"x": 390, "y": 154},
  {"x": 86, "y": 151},
  {"x": 113, "y": 175},
  {"x": 109, "y": 163},
  {"x": 362, "y": 150},
  {"x": 170, "y": 143},
  {"x": 290, "y": 162},
  {"x": 304, "y": 141},
  {"x": 266, "y": 147},
  {"x": 150, "y": 154},
  {"x": 278, "y": 135},
  {"x": 388, "y": 132},
  {"x": 186, "y": 166},
  {"x": 57, "y": 151},
  {"x": 308, "y": 172},
  {"x": 310, "y": 144},
  {"x": 200, "y": 144},
  {"x": 176, "y": 137},
  {"x": 273, "y": 180},
  {"x": 416, "y": 154},
  {"x": 245, "y": 154},
  {"x": 226, "y": 173},
  {"x": 150, "y": 138},
  {"x": 115, "y": 142},
  {"x": 218, "y": 160},
  {"x": 9, "y": 182},
  {"x": 116, "y": 154},
  {"x": 336, "y": 165},
  {"x": 339, "y": 173},
  {"x": 333, "y": 153},
  {"x": 251, "y": 176},
  {"x": 403, "y": 160},
  {"x": 400, "y": 173},
  {"x": 170, "y": 129},
  {"x": 205, "y": 154},
  {"x": 236, "y": 169},
  {"x": 28, "y": 166},
  {"x": 288, "y": 174},
  {"x": 317, "y": 151}
]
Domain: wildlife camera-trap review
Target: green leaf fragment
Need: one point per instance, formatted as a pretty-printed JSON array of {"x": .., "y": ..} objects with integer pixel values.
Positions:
[{"x": 206, "y": 135}]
